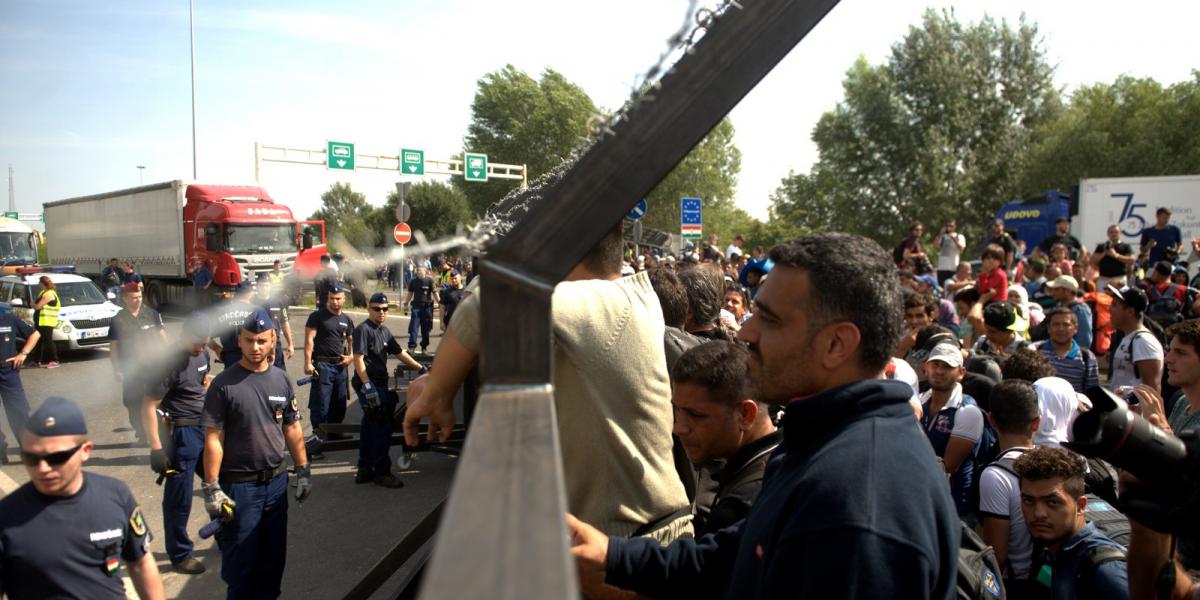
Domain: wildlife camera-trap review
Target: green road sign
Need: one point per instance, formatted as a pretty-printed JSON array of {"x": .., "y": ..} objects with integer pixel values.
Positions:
[
  {"x": 12, "y": 215},
  {"x": 339, "y": 155},
  {"x": 412, "y": 162},
  {"x": 474, "y": 166}
]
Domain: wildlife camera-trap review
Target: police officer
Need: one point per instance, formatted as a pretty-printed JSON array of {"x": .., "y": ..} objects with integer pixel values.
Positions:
[
  {"x": 64, "y": 534},
  {"x": 422, "y": 295},
  {"x": 373, "y": 342},
  {"x": 250, "y": 422},
  {"x": 328, "y": 337},
  {"x": 136, "y": 338},
  {"x": 228, "y": 316},
  {"x": 16, "y": 406},
  {"x": 175, "y": 399},
  {"x": 273, "y": 300}
]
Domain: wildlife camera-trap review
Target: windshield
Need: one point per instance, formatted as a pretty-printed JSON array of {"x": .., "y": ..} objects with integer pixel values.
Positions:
[
  {"x": 17, "y": 248},
  {"x": 75, "y": 293},
  {"x": 260, "y": 239}
]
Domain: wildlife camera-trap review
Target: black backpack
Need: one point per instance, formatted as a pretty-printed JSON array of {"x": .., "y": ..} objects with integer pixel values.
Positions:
[
  {"x": 978, "y": 570},
  {"x": 1164, "y": 309}
]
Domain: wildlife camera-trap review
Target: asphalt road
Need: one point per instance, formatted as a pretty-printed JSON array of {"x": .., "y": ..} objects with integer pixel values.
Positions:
[{"x": 334, "y": 538}]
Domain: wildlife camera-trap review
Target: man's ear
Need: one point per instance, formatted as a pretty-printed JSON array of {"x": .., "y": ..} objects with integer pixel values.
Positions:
[
  {"x": 837, "y": 344},
  {"x": 747, "y": 413}
]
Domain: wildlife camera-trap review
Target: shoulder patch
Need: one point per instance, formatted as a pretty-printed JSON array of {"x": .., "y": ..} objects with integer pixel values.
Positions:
[
  {"x": 294, "y": 407},
  {"x": 137, "y": 523}
]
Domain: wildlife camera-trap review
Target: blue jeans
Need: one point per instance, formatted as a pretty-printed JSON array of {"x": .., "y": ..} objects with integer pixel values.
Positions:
[
  {"x": 16, "y": 406},
  {"x": 254, "y": 545},
  {"x": 422, "y": 316},
  {"x": 327, "y": 400},
  {"x": 376, "y": 434},
  {"x": 187, "y": 444}
]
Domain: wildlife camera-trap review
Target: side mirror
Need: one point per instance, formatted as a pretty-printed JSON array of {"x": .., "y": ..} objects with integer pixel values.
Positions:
[{"x": 17, "y": 302}]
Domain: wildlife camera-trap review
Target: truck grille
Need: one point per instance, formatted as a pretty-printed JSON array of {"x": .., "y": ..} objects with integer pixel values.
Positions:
[{"x": 92, "y": 324}]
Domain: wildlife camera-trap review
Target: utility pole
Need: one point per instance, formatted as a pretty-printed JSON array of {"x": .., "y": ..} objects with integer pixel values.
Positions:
[
  {"x": 12, "y": 196},
  {"x": 192, "y": 34},
  {"x": 141, "y": 169}
]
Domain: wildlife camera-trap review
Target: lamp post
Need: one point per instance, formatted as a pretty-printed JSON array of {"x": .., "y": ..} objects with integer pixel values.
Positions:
[
  {"x": 141, "y": 170},
  {"x": 192, "y": 34}
]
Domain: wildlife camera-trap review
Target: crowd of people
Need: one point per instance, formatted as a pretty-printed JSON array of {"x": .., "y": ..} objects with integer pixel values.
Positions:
[{"x": 820, "y": 420}]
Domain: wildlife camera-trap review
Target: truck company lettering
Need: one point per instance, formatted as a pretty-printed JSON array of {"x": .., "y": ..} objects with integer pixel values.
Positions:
[{"x": 1032, "y": 213}]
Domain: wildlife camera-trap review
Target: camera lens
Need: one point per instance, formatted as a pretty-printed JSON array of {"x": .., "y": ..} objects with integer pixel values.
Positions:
[{"x": 1111, "y": 432}]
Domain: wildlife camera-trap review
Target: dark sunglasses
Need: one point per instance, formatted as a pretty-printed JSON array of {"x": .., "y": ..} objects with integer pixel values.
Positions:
[
  {"x": 379, "y": 308},
  {"x": 54, "y": 459}
]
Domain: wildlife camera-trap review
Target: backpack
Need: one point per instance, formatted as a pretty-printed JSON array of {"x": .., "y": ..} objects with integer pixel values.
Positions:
[
  {"x": 986, "y": 450},
  {"x": 1164, "y": 309},
  {"x": 978, "y": 570}
]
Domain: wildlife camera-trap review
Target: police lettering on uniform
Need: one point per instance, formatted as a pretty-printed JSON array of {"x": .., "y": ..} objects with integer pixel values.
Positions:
[
  {"x": 174, "y": 401},
  {"x": 136, "y": 337},
  {"x": 251, "y": 423},
  {"x": 12, "y": 393},
  {"x": 65, "y": 533},
  {"x": 373, "y": 342},
  {"x": 327, "y": 343},
  {"x": 272, "y": 299},
  {"x": 234, "y": 307}
]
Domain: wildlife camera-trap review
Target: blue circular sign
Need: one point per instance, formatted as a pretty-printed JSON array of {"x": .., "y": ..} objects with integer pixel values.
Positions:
[{"x": 638, "y": 211}]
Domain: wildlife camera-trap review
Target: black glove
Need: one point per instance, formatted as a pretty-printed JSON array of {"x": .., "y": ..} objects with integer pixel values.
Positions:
[
  {"x": 303, "y": 483},
  {"x": 422, "y": 371},
  {"x": 159, "y": 461}
]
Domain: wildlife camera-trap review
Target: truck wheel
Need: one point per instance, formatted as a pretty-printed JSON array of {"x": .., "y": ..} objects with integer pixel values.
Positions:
[{"x": 154, "y": 295}]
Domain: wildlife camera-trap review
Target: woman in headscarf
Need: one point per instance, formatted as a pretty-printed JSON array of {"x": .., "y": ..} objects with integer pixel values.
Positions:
[{"x": 1030, "y": 312}]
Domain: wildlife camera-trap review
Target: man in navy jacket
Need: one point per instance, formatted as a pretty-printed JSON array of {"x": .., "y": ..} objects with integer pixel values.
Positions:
[{"x": 853, "y": 503}]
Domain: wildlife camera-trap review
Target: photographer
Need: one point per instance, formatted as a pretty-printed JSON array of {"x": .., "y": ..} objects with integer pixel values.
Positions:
[{"x": 950, "y": 245}]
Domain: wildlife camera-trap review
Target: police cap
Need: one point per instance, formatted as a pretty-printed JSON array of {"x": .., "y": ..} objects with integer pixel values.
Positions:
[
  {"x": 259, "y": 321},
  {"x": 337, "y": 287},
  {"x": 379, "y": 298},
  {"x": 57, "y": 416}
]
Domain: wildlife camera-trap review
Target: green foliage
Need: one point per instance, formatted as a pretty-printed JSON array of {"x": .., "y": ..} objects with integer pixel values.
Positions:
[
  {"x": 346, "y": 213},
  {"x": 517, "y": 120},
  {"x": 940, "y": 130},
  {"x": 437, "y": 209},
  {"x": 1132, "y": 127},
  {"x": 708, "y": 172}
]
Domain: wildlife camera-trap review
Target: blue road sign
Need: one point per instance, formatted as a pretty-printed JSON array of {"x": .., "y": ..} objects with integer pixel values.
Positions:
[
  {"x": 689, "y": 211},
  {"x": 638, "y": 211}
]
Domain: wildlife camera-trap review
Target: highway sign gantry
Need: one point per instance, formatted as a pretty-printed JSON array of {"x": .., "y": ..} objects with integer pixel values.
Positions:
[
  {"x": 475, "y": 166},
  {"x": 412, "y": 162},
  {"x": 339, "y": 156}
]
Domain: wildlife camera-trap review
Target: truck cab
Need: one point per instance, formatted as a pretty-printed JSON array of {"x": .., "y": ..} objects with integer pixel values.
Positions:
[{"x": 1032, "y": 219}]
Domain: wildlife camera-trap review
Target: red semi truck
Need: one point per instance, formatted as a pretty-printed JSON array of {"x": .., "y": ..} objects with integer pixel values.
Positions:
[{"x": 168, "y": 229}]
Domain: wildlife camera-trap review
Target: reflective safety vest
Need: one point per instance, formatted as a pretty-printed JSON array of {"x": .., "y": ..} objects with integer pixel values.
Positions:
[
  {"x": 276, "y": 278},
  {"x": 48, "y": 314}
]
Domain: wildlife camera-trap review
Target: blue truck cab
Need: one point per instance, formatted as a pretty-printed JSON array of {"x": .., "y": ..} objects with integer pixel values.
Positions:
[{"x": 1031, "y": 220}]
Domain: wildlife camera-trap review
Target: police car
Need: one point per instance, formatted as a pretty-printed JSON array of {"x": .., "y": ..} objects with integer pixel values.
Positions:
[{"x": 86, "y": 311}]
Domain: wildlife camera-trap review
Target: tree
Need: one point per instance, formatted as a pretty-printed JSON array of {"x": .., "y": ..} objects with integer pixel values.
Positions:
[
  {"x": 708, "y": 172},
  {"x": 940, "y": 130},
  {"x": 437, "y": 209},
  {"x": 1132, "y": 127},
  {"x": 346, "y": 214},
  {"x": 517, "y": 120}
]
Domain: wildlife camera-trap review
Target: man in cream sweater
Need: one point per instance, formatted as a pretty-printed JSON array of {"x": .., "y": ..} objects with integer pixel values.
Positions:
[{"x": 611, "y": 390}]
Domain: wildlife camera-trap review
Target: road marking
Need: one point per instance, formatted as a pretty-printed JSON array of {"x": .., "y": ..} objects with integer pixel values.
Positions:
[{"x": 7, "y": 485}]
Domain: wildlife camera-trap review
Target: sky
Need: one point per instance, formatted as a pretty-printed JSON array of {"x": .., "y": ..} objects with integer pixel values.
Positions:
[{"x": 90, "y": 90}]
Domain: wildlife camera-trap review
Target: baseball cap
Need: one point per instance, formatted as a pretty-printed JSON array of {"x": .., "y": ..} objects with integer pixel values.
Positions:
[
  {"x": 947, "y": 353},
  {"x": 1132, "y": 297},
  {"x": 57, "y": 416},
  {"x": 927, "y": 279},
  {"x": 1065, "y": 282},
  {"x": 1000, "y": 315}
]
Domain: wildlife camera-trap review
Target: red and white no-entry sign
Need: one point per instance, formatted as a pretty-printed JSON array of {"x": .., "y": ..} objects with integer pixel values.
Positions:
[{"x": 402, "y": 233}]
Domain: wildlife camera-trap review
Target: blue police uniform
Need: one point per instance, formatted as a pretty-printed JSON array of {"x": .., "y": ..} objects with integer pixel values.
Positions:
[
  {"x": 16, "y": 406},
  {"x": 252, "y": 408},
  {"x": 327, "y": 399},
  {"x": 375, "y": 343},
  {"x": 181, "y": 390},
  {"x": 227, "y": 319},
  {"x": 422, "y": 289},
  {"x": 68, "y": 546},
  {"x": 278, "y": 312},
  {"x": 138, "y": 341}
]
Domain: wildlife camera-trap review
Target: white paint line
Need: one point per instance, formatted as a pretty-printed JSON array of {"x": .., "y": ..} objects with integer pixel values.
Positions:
[{"x": 7, "y": 485}]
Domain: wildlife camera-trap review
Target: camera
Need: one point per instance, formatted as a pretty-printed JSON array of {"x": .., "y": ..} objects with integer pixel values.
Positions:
[{"x": 1167, "y": 466}]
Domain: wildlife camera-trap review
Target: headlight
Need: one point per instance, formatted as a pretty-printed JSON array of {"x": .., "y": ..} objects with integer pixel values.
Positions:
[{"x": 66, "y": 327}]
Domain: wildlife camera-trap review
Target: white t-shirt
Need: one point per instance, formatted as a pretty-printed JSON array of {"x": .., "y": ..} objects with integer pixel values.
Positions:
[
  {"x": 948, "y": 252},
  {"x": 731, "y": 249},
  {"x": 1000, "y": 497},
  {"x": 1145, "y": 347}
]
